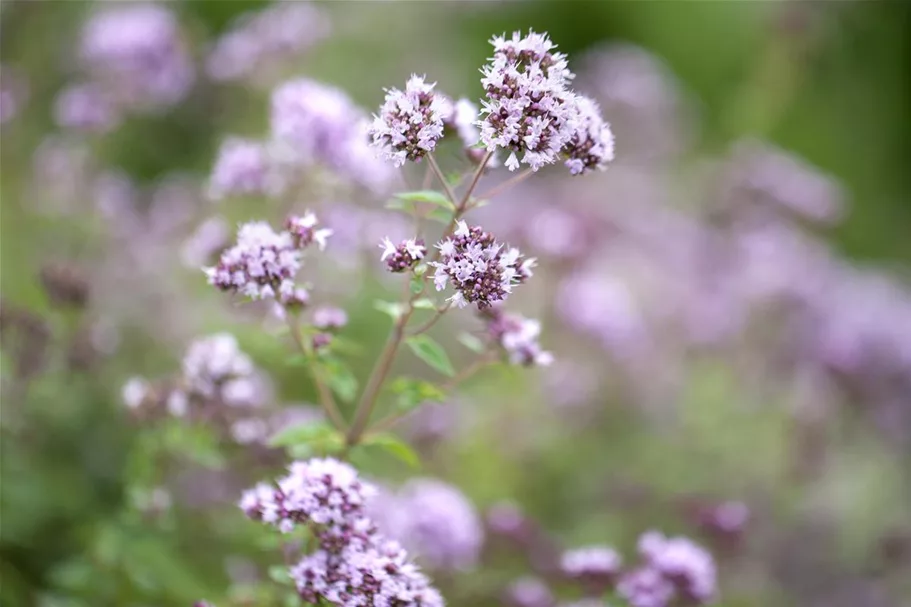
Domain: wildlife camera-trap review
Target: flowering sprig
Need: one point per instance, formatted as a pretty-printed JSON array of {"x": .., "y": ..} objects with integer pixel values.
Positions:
[{"x": 529, "y": 111}]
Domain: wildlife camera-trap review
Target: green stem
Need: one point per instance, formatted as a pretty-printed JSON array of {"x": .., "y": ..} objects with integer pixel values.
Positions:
[
  {"x": 438, "y": 314},
  {"x": 442, "y": 179},
  {"x": 384, "y": 363},
  {"x": 502, "y": 187},
  {"x": 325, "y": 394}
]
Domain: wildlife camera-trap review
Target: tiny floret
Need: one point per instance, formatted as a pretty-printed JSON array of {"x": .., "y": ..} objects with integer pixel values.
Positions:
[
  {"x": 304, "y": 231},
  {"x": 403, "y": 256},
  {"x": 410, "y": 122},
  {"x": 517, "y": 336}
]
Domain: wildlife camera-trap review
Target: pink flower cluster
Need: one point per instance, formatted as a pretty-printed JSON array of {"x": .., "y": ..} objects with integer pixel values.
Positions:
[{"x": 354, "y": 565}]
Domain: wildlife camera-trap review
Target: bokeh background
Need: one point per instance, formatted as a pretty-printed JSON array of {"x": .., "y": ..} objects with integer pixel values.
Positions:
[{"x": 727, "y": 304}]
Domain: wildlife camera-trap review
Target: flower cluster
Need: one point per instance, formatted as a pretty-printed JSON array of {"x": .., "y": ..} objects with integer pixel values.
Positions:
[
  {"x": 354, "y": 565},
  {"x": 266, "y": 39},
  {"x": 216, "y": 367},
  {"x": 136, "y": 52},
  {"x": 85, "y": 107},
  {"x": 435, "y": 521},
  {"x": 312, "y": 120},
  {"x": 480, "y": 270},
  {"x": 517, "y": 336},
  {"x": 410, "y": 122},
  {"x": 304, "y": 231},
  {"x": 529, "y": 108},
  {"x": 595, "y": 566},
  {"x": 673, "y": 568},
  {"x": 263, "y": 263},
  {"x": 404, "y": 256},
  {"x": 214, "y": 370},
  {"x": 315, "y": 123},
  {"x": 243, "y": 168},
  {"x": 591, "y": 146}
]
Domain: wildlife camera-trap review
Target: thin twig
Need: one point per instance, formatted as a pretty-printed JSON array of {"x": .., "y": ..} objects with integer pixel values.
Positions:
[
  {"x": 438, "y": 314},
  {"x": 474, "y": 180},
  {"x": 325, "y": 394},
  {"x": 380, "y": 370},
  {"x": 442, "y": 179},
  {"x": 502, "y": 187},
  {"x": 464, "y": 374}
]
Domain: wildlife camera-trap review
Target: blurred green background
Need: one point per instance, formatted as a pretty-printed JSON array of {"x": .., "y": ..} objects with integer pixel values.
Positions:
[{"x": 826, "y": 80}]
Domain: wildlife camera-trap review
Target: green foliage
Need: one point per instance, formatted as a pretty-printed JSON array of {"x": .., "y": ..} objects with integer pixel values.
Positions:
[
  {"x": 429, "y": 197},
  {"x": 432, "y": 353},
  {"x": 339, "y": 376},
  {"x": 410, "y": 393},
  {"x": 391, "y": 308},
  {"x": 394, "y": 446}
]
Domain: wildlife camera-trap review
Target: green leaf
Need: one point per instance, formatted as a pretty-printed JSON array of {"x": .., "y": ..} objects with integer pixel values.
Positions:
[
  {"x": 424, "y": 304},
  {"x": 432, "y": 353},
  {"x": 393, "y": 309},
  {"x": 302, "y": 434},
  {"x": 440, "y": 216},
  {"x": 472, "y": 342},
  {"x": 298, "y": 360},
  {"x": 428, "y": 196},
  {"x": 421, "y": 269},
  {"x": 340, "y": 378},
  {"x": 394, "y": 446},
  {"x": 416, "y": 285},
  {"x": 280, "y": 575},
  {"x": 411, "y": 393}
]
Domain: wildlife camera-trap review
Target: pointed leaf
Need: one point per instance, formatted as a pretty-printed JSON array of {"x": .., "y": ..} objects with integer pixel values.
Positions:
[
  {"x": 396, "y": 447},
  {"x": 393, "y": 309},
  {"x": 472, "y": 342},
  {"x": 428, "y": 196},
  {"x": 411, "y": 393},
  {"x": 432, "y": 353},
  {"x": 424, "y": 304}
]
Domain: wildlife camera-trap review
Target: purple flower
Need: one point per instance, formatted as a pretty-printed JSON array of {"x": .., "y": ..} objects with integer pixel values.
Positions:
[
  {"x": 85, "y": 107},
  {"x": 646, "y": 587},
  {"x": 591, "y": 146},
  {"x": 13, "y": 93},
  {"x": 685, "y": 564},
  {"x": 135, "y": 50},
  {"x": 216, "y": 367},
  {"x": 528, "y": 108},
  {"x": 266, "y": 39},
  {"x": 377, "y": 573},
  {"x": 262, "y": 264},
  {"x": 354, "y": 564},
  {"x": 517, "y": 336},
  {"x": 480, "y": 271},
  {"x": 529, "y": 592},
  {"x": 315, "y": 122},
  {"x": 597, "y": 565},
  {"x": 243, "y": 168},
  {"x": 435, "y": 521},
  {"x": 403, "y": 256},
  {"x": 410, "y": 122},
  {"x": 303, "y": 229},
  {"x": 329, "y": 317}
]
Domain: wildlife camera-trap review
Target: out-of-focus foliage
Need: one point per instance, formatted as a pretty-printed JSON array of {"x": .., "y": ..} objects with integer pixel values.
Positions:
[{"x": 623, "y": 434}]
